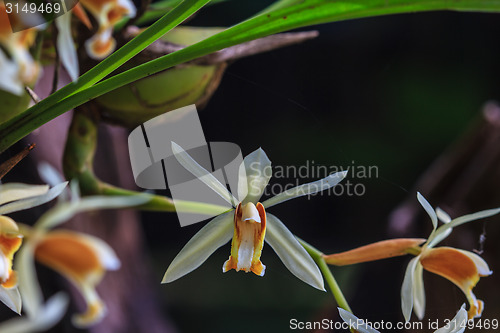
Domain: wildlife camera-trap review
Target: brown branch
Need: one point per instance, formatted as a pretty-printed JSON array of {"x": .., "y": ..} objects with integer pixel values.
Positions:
[
  {"x": 6, "y": 166},
  {"x": 257, "y": 46},
  {"x": 261, "y": 45}
]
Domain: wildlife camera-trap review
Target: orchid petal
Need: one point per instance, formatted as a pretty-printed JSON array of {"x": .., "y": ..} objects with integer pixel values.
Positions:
[
  {"x": 428, "y": 208},
  {"x": 66, "y": 47},
  {"x": 16, "y": 191},
  {"x": 11, "y": 298},
  {"x": 482, "y": 267},
  {"x": 442, "y": 215},
  {"x": 407, "y": 289},
  {"x": 418, "y": 291},
  {"x": 34, "y": 201},
  {"x": 457, "y": 324},
  {"x": 355, "y": 323},
  {"x": 66, "y": 210},
  {"x": 254, "y": 175},
  {"x": 9, "y": 72},
  {"x": 443, "y": 231},
  {"x": 212, "y": 236},
  {"x": 375, "y": 251},
  {"x": 28, "y": 283},
  {"x": 202, "y": 174},
  {"x": 50, "y": 314},
  {"x": 438, "y": 236},
  {"x": 472, "y": 217},
  {"x": 306, "y": 189},
  {"x": 292, "y": 254}
]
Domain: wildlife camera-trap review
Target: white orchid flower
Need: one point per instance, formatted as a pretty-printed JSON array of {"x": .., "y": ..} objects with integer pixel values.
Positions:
[
  {"x": 81, "y": 258},
  {"x": 249, "y": 224},
  {"x": 107, "y": 14},
  {"x": 17, "y": 67},
  {"x": 463, "y": 268},
  {"x": 456, "y": 325},
  {"x": 16, "y": 197}
]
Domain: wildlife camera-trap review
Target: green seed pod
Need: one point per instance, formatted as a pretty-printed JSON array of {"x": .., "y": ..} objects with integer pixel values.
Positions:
[{"x": 137, "y": 102}]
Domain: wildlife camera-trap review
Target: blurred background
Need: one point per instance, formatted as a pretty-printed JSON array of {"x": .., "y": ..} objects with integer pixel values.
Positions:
[{"x": 405, "y": 94}]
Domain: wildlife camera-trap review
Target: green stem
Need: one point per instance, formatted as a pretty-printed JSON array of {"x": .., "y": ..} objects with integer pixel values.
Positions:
[
  {"x": 164, "y": 204},
  {"x": 327, "y": 274},
  {"x": 78, "y": 164}
]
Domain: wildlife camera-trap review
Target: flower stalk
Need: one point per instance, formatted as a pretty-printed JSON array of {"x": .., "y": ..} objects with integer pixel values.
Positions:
[
  {"x": 318, "y": 257},
  {"x": 78, "y": 164}
]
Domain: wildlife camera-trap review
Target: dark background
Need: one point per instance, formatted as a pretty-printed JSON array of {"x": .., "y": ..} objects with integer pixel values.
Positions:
[{"x": 392, "y": 92}]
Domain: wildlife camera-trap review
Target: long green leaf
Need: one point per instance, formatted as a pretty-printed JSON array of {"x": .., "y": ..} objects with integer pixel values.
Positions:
[
  {"x": 36, "y": 116},
  {"x": 288, "y": 15}
]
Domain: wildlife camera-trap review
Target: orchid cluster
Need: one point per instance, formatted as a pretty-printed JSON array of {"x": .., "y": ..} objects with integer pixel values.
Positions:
[
  {"x": 249, "y": 225},
  {"x": 18, "y": 68},
  {"x": 82, "y": 259},
  {"x": 463, "y": 268}
]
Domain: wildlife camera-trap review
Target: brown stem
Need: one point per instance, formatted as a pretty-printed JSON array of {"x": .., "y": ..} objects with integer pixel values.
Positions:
[{"x": 6, "y": 166}]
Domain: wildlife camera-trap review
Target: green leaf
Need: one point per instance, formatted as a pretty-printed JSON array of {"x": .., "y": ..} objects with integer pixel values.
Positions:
[
  {"x": 443, "y": 231},
  {"x": 418, "y": 291},
  {"x": 36, "y": 116},
  {"x": 286, "y": 15},
  {"x": 157, "y": 10},
  {"x": 355, "y": 323},
  {"x": 29, "y": 288}
]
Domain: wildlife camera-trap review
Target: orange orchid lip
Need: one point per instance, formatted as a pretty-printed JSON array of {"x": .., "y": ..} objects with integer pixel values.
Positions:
[
  {"x": 83, "y": 260},
  {"x": 248, "y": 239},
  {"x": 463, "y": 268},
  {"x": 10, "y": 241}
]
